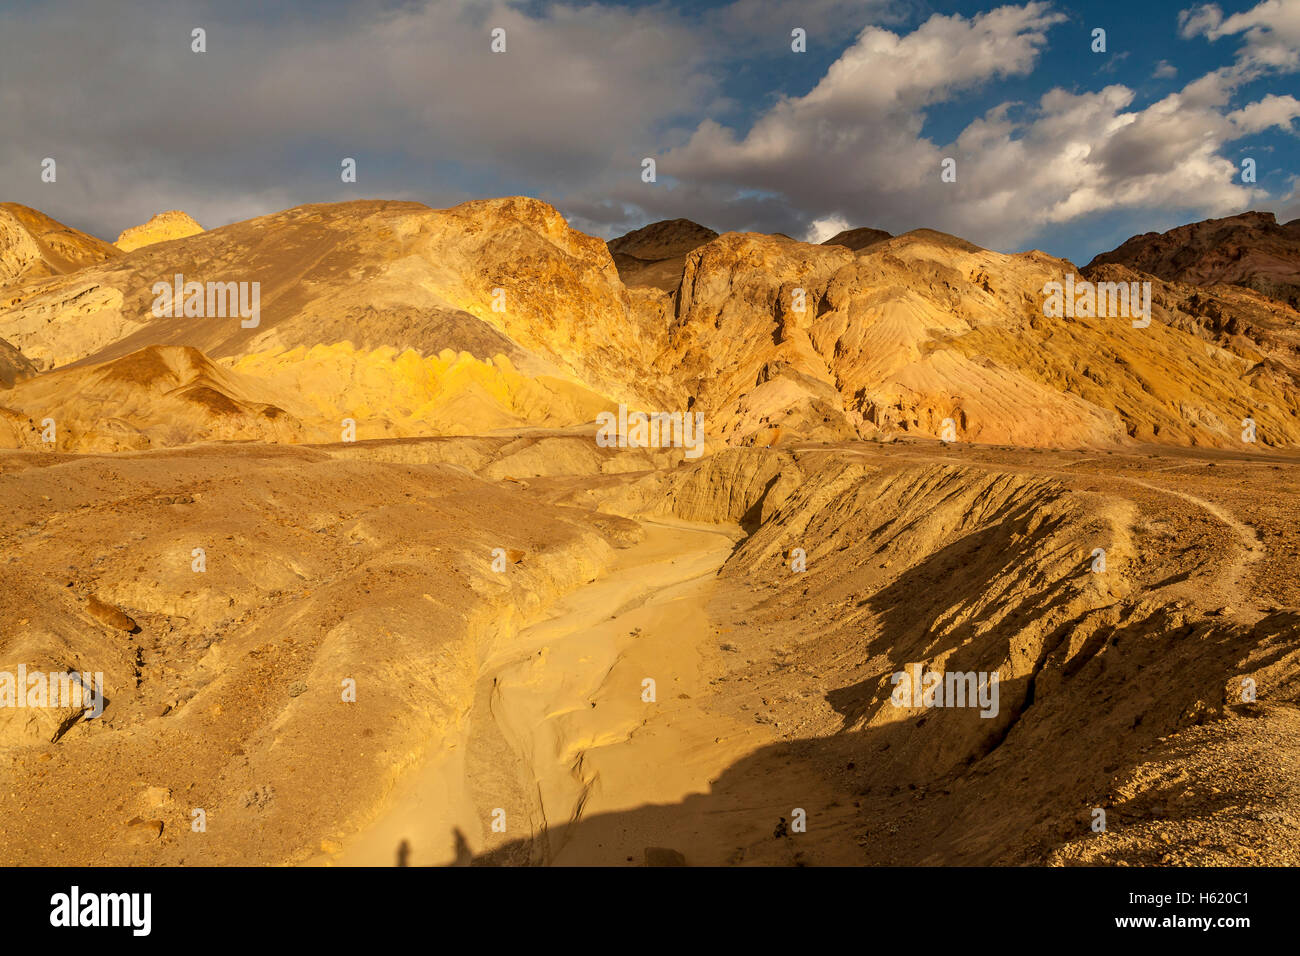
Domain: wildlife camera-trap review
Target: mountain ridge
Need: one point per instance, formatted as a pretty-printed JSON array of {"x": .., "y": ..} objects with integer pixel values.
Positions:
[{"x": 500, "y": 310}]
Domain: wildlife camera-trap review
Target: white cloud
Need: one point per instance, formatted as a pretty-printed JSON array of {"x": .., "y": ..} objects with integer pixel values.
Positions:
[
  {"x": 1199, "y": 20},
  {"x": 857, "y": 132},
  {"x": 819, "y": 230},
  {"x": 1268, "y": 112},
  {"x": 1270, "y": 31},
  {"x": 852, "y": 150}
]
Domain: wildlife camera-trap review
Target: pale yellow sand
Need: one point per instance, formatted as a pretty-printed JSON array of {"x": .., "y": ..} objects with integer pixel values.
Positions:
[{"x": 569, "y": 733}]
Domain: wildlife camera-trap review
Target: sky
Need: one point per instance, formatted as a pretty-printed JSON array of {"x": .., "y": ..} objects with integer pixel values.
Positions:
[{"x": 1056, "y": 146}]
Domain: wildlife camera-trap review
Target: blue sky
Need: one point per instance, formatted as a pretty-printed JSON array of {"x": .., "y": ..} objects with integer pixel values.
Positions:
[{"x": 1057, "y": 147}]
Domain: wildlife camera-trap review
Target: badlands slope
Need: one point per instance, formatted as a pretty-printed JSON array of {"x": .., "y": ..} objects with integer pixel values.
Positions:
[
  {"x": 519, "y": 689},
  {"x": 497, "y": 587},
  {"x": 1252, "y": 250},
  {"x": 495, "y": 314},
  {"x": 924, "y": 327},
  {"x": 33, "y": 246},
  {"x": 404, "y": 319}
]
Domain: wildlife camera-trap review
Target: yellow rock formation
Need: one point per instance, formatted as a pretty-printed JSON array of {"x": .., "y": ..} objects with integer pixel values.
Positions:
[
  {"x": 172, "y": 224},
  {"x": 496, "y": 314}
]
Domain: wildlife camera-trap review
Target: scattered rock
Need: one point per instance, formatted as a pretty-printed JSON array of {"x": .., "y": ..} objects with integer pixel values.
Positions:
[
  {"x": 140, "y": 831},
  {"x": 259, "y": 797},
  {"x": 663, "y": 856},
  {"x": 108, "y": 614}
]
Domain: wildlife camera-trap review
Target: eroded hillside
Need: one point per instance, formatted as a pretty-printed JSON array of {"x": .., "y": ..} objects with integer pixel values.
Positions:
[
  {"x": 366, "y": 584},
  {"x": 409, "y": 321},
  {"x": 514, "y": 679}
]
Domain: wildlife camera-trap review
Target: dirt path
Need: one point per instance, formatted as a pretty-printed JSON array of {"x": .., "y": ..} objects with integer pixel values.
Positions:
[
  {"x": 1232, "y": 581},
  {"x": 563, "y": 728}
]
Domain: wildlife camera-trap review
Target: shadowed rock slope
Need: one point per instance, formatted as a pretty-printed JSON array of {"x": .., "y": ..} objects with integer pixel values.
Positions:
[
  {"x": 857, "y": 239},
  {"x": 654, "y": 255},
  {"x": 1251, "y": 250}
]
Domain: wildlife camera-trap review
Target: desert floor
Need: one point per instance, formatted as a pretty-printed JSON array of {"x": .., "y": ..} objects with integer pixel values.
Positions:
[{"x": 517, "y": 694}]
